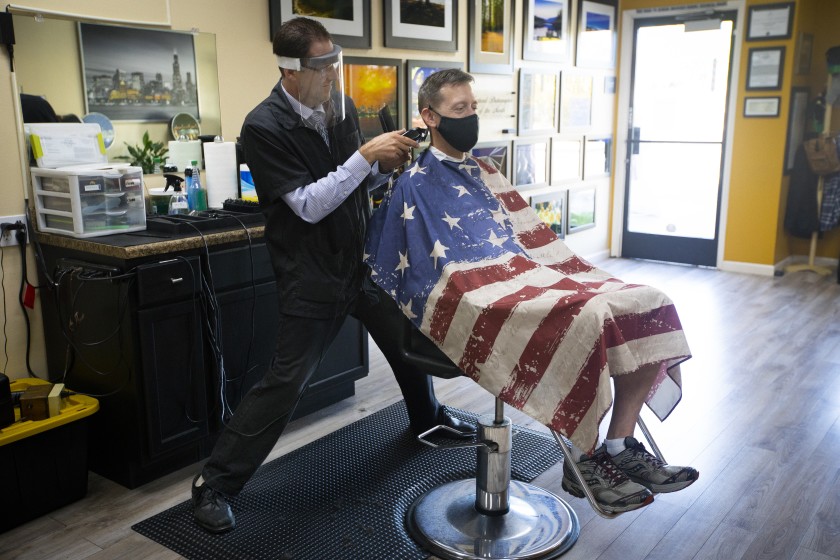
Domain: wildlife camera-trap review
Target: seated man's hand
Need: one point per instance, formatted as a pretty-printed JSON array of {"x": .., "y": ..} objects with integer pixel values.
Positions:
[{"x": 391, "y": 150}]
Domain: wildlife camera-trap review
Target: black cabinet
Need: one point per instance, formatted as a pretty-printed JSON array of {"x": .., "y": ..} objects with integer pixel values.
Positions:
[
  {"x": 171, "y": 354},
  {"x": 163, "y": 356}
]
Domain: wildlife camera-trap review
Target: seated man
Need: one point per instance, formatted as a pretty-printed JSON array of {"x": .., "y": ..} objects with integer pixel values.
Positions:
[{"x": 474, "y": 268}]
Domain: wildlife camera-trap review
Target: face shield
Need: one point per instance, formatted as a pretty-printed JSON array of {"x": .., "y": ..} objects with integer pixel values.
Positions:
[{"x": 320, "y": 82}]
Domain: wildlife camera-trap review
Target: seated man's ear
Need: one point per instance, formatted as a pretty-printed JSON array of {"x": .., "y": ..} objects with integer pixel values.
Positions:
[{"x": 429, "y": 117}]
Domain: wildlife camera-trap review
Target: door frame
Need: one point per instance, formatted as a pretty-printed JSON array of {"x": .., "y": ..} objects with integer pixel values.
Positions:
[{"x": 626, "y": 38}]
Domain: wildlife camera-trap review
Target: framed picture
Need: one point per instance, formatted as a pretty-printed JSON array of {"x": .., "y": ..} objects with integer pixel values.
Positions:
[
  {"x": 575, "y": 102},
  {"x": 581, "y": 209},
  {"x": 496, "y": 97},
  {"x": 597, "y": 157},
  {"x": 496, "y": 154},
  {"x": 596, "y": 34},
  {"x": 416, "y": 73},
  {"x": 429, "y": 25},
  {"x": 770, "y": 21},
  {"x": 765, "y": 69},
  {"x": 348, "y": 21},
  {"x": 761, "y": 106},
  {"x": 491, "y": 36},
  {"x": 804, "y": 48},
  {"x": 372, "y": 83},
  {"x": 799, "y": 97},
  {"x": 550, "y": 206},
  {"x": 537, "y": 102},
  {"x": 133, "y": 74},
  {"x": 530, "y": 162},
  {"x": 547, "y": 33},
  {"x": 566, "y": 160}
]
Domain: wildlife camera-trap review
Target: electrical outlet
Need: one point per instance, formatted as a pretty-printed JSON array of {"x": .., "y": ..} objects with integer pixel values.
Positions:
[{"x": 8, "y": 239}]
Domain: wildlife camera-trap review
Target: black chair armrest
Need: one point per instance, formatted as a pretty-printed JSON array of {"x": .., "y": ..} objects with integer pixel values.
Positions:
[{"x": 421, "y": 352}]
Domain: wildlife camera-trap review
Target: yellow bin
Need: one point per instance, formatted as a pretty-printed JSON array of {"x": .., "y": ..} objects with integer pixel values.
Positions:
[{"x": 43, "y": 463}]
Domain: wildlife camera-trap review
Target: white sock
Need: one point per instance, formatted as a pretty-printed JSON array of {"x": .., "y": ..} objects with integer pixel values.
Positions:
[
  {"x": 615, "y": 446},
  {"x": 576, "y": 453}
]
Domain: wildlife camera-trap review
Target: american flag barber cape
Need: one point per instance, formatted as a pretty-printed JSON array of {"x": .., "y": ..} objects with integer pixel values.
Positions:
[{"x": 474, "y": 268}]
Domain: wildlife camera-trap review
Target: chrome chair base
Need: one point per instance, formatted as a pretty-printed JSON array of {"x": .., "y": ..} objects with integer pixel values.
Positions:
[{"x": 538, "y": 526}]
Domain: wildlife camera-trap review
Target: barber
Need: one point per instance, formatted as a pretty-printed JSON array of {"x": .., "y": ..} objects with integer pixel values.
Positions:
[{"x": 312, "y": 170}]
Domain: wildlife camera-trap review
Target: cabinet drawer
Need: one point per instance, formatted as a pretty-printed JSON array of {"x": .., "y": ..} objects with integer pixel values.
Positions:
[
  {"x": 168, "y": 281},
  {"x": 232, "y": 267}
]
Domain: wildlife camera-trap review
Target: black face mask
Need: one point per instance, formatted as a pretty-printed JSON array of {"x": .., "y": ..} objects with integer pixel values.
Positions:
[{"x": 461, "y": 134}]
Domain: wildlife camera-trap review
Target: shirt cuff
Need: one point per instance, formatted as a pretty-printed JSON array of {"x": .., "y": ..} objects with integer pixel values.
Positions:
[{"x": 358, "y": 166}]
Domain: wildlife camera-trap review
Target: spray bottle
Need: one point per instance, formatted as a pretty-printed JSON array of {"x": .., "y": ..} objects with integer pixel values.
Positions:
[{"x": 178, "y": 201}]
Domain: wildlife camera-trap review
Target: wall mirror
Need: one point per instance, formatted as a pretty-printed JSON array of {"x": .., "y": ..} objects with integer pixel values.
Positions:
[{"x": 49, "y": 63}]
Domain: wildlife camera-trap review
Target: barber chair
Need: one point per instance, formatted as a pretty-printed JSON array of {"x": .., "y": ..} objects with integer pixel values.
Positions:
[{"x": 489, "y": 516}]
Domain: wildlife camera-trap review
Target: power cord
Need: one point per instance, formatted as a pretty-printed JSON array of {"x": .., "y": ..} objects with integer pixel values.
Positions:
[
  {"x": 20, "y": 236},
  {"x": 5, "y": 315},
  {"x": 70, "y": 319}
]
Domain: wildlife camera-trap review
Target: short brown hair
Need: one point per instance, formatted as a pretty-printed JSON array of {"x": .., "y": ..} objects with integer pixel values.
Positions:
[
  {"x": 294, "y": 37},
  {"x": 429, "y": 93}
]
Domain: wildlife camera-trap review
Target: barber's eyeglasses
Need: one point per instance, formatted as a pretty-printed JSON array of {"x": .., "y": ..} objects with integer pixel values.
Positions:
[
  {"x": 322, "y": 68},
  {"x": 324, "y": 62}
]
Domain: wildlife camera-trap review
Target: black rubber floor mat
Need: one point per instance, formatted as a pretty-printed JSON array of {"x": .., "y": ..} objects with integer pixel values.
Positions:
[{"x": 341, "y": 497}]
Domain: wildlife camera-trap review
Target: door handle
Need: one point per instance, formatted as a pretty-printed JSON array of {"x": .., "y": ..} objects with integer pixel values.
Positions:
[{"x": 635, "y": 139}]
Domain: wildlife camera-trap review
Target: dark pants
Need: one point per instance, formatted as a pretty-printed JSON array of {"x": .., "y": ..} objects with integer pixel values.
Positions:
[{"x": 301, "y": 342}]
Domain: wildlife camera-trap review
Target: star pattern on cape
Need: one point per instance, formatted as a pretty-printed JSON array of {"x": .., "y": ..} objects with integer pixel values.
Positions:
[
  {"x": 416, "y": 169},
  {"x": 403, "y": 264},
  {"x": 462, "y": 190},
  {"x": 439, "y": 250},
  {"x": 468, "y": 167},
  {"x": 406, "y": 308},
  {"x": 408, "y": 212},
  {"x": 495, "y": 240},
  {"x": 453, "y": 222},
  {"x": 499, "y": 216}
]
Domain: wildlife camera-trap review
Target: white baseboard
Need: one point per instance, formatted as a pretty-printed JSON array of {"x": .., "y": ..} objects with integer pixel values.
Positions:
[
  {"x": 598, "y": 256},
  {"x": 748, "y": 268}
]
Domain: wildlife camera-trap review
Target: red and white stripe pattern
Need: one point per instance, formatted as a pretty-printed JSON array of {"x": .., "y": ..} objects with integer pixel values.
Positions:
[{"x": 546, "y": 330}]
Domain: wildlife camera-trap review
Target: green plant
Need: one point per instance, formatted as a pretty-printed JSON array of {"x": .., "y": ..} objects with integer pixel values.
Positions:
[{"x": 143, "y": 155}]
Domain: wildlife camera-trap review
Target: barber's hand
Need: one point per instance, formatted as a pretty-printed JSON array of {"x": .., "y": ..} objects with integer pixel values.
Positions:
[{"x": 391, "y": 150}]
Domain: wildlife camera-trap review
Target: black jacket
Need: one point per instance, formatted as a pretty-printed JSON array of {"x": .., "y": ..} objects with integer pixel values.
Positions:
[
  {"x": 802, "y": 217},
  {"x": 318, "y": 266}
]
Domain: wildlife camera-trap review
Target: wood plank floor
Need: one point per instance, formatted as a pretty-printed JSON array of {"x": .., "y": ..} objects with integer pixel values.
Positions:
[{"x": 760, "y": 419}]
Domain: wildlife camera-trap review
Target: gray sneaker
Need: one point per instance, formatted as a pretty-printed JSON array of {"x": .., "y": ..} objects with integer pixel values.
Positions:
[
  {"x": 612, "y": 489},
  {"x": 646, "y": 469}
]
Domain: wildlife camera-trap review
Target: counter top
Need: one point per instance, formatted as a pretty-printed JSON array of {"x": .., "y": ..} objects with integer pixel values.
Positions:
[{"x": 148, "y": 243}]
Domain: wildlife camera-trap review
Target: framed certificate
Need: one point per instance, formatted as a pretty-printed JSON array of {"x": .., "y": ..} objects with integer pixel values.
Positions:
[
  {"x": 765, "y": 68},
  {"x": 761, "y": 106},
  {"x": 770, "y": 21}
]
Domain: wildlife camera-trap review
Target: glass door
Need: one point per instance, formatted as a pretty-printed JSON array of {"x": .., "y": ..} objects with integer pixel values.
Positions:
[{"x": 679, "y": 96}]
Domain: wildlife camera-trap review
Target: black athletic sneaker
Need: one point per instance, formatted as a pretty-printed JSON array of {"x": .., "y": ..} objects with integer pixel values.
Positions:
[
  {"x": 612, "y": 489},
  {"x": 646, "y": 469},
  {"x": 210, "y": 509}
]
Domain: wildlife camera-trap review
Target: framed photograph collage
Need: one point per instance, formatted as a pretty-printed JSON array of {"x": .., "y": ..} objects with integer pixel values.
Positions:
[{"x": 544, "y": 103}]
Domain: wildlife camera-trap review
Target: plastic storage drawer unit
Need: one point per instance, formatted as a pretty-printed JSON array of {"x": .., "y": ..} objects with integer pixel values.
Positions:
[
  {"x": 87, "y": 201},
  {"x": 43, "y": 464}
]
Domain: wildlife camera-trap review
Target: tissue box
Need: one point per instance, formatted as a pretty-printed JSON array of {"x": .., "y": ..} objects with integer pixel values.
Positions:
[{"x": 89, "y": 200}]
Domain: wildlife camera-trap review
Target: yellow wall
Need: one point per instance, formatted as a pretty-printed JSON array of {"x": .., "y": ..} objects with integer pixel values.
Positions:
[{"x": 758, "y": 187}]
